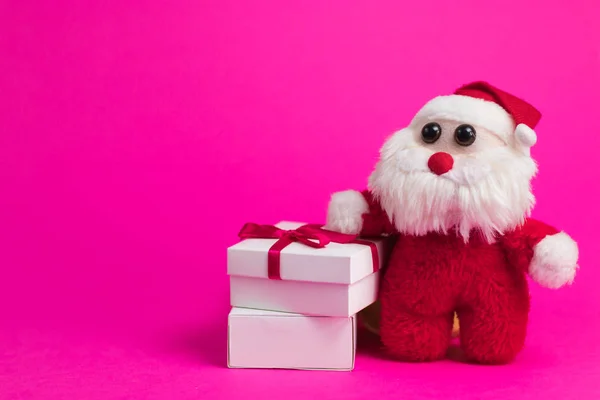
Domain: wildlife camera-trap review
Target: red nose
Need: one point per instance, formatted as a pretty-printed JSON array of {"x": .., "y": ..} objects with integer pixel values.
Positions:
[{"x": 440, "y": 163}]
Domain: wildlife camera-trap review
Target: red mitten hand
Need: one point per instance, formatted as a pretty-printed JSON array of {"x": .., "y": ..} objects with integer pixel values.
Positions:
[
  {"x": 345, "y": 212},
  {"x": 546, "y": 254},
  {"x": 554, "y": 261},
  {"x": 357, "y": 213}
]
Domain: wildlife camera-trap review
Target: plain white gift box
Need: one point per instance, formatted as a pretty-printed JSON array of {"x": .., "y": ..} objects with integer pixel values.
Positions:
[
  {"x": 337, "y": 280},
  {"x": 276, "y": 340}
]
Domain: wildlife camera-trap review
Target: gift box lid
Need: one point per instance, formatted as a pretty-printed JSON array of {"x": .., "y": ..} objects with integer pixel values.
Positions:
[{"x": 335, "y": 263}]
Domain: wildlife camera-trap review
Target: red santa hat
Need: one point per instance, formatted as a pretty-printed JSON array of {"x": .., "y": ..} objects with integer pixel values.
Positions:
[{"x": 483, "y": 105}]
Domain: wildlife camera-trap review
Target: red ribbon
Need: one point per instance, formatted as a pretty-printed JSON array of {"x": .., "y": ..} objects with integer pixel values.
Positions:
[{"x": 310, "y": 235}]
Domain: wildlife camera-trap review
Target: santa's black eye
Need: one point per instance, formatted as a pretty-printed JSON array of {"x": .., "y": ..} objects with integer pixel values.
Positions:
[
  {"x": 465, "y": 135},
  {"x": 431, "y": 132}
]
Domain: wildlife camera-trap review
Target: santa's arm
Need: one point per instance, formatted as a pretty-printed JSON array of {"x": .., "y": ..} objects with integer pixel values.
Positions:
[
  {"x": 357, "y": 212},
  {"x": 548, "y": 255}
]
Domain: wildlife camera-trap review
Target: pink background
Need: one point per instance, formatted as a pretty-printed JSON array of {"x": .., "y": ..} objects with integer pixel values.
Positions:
[{"x": 137, "y": 137}]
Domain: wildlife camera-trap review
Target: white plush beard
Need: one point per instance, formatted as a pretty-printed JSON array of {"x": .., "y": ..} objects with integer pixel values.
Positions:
[{"x": 488, "y": 191}]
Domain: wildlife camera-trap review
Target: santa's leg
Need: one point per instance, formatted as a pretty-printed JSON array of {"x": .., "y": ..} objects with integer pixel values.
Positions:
[
  {"x": 410, "y": 337},
  {"x": 494, "y": 334}
]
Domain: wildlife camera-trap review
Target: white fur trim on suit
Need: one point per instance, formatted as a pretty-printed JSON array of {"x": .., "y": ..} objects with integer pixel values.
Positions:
[
  {"x": 469, "y": 110},
  {"x": 345, "y": 212},
  {"x": 554, "y": 261}
]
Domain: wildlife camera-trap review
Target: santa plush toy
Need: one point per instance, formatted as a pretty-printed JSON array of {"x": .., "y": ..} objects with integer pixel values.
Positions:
[{"x": 455, "y": 187}]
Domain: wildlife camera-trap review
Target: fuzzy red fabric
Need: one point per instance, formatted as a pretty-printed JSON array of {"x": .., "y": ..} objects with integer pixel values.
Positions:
[{"x": 430, "y": 277}]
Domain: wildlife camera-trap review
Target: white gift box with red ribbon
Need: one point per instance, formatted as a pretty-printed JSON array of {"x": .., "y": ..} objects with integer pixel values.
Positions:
[{"x": 300, "y": 268}]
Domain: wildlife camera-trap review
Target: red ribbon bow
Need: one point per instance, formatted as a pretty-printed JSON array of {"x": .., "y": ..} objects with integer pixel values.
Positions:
[{"x": 310, "y": 235}]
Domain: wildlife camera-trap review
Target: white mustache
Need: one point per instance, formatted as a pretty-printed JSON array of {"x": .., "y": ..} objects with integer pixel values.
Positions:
[
  {"x": 412, "y": 159},
  {"x": 466, "y": 170}
]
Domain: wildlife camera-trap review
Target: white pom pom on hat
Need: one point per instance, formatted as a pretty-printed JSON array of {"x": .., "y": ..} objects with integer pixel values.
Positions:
[{"x": 484, "y": 105}]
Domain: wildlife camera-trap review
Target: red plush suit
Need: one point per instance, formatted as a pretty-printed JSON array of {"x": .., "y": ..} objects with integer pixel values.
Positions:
[{"x": 429, "y": 277}]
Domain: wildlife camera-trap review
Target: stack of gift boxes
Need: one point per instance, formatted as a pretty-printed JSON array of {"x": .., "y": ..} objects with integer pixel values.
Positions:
[{"x": 296, "y": 290}]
